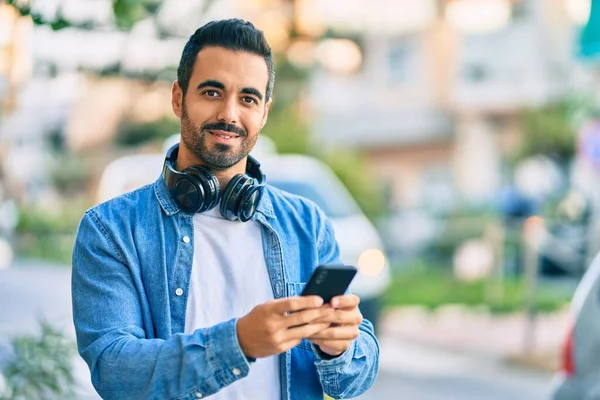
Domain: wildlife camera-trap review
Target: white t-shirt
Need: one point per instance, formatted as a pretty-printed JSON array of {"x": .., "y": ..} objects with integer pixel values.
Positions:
[{"x": 229, "y": 278}]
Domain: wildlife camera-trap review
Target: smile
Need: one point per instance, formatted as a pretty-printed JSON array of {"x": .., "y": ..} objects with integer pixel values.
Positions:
[{"x": 223, "y": 134}]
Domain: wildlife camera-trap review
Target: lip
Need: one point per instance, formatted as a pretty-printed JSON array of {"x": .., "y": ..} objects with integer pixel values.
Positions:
[{"x": 219, "y": 133}]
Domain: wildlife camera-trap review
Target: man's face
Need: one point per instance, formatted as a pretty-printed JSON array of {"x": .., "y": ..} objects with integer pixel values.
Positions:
[{"x": 224, "y": 108}]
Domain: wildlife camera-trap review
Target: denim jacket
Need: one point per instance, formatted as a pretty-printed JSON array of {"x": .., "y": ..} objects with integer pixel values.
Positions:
[{"x": 132, "y": 261}]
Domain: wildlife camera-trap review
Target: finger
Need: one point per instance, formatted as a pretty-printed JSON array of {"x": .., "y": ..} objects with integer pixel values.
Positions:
[
  {"x": 307, "y": 316},
  {"x": 345, "y": 332},
  {"x": 342, "y": 317},
  {"x": 301, "y": 332},
  {"x": 296, "y": 303},
  {"x": 338, "y": 346},
  {"x": 285, "y": 346},
  {"x": 345, "y": 301}
]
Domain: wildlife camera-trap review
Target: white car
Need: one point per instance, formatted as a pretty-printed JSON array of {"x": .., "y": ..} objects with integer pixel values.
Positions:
[
  {"x": 360, "y": 244},
  {"x": 579, "y": 376}
]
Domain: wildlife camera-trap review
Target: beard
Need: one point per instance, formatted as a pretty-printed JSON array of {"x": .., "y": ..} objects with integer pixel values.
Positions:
[{"x": 215, "y": 155}]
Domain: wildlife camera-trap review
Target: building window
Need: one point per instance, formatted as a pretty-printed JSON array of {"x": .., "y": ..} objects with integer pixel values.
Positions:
[{"x": 400, "y": 61}]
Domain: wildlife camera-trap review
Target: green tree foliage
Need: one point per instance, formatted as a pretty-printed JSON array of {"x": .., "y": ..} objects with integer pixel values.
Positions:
[
  {"x": 289, "y": 132},
  {"x": 126, "y": 12},
  {"x": 291, "y": 135},
  {"x": 548, "y": 130},
  {"x": 135, "y": 134},
  {"x": 552, "y": 129},
  {"x": 353, "y": 169}
]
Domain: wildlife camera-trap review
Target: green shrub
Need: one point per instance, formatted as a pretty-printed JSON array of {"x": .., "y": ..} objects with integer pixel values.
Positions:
[
  {"x": 63, "y": 218},
  {"x": 56, "y": 248},
  {"x": 432, "y": 287},
  {"x": 48, "y": 234},
  {"x": 39, "y": 367},
  {"x": 458, "y": 228}
]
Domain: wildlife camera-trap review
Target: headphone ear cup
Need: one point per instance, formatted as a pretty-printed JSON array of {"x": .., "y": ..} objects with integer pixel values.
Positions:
[
  {"x": 209, "y": 183},
  {"x": 249, "y": 203},
  {"x": 231, "y": 197},
  {"x": 188, "y": 193}
]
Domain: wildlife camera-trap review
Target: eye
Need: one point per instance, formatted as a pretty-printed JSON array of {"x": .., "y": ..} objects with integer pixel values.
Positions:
[
  {"x": 211, "y": 93},
  {"x": 249, "y": 100}
]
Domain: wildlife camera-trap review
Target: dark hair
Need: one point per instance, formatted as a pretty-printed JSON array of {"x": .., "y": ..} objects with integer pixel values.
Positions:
[{"x": 233, "y": 34}]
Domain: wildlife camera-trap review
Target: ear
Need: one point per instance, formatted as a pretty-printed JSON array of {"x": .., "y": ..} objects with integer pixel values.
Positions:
[
  {"x": 267, "y": 107},
  {"x": 177, "y": 99}
]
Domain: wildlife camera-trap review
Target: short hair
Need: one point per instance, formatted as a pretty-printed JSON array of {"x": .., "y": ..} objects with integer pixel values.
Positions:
[{"x": 233, "y": 34}]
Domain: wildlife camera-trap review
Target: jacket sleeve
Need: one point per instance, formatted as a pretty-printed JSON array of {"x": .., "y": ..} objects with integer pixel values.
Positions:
[
  {"x": 123, "y": 362},
  {"x": 354, "y": 371}
]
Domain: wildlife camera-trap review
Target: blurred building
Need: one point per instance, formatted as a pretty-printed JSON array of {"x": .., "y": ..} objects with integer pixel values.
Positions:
[
  {"x": 70, "y": 88},
  {"x": 434, "y": 102},
  {"x": 75, "y": 85},
  {"x": 429, "y": 89}
]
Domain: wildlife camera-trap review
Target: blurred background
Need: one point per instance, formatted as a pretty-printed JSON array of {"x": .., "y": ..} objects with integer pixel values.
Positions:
[{"x": 462, "y": 135}]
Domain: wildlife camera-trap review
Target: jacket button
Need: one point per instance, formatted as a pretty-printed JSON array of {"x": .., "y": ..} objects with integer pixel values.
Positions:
[
  {"x": 236, "y": 371},
  {"x": 179, "y": 291},
  {"x": 186, "y": 239},
  {"x": 198, "y": 395}
]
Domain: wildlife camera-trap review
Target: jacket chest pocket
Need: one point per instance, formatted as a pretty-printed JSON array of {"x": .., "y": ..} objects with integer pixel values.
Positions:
[{"x": 294, "y": 288}]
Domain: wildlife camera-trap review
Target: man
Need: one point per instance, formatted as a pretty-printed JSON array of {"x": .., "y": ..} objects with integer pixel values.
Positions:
[{"x": 178, "y": 297}]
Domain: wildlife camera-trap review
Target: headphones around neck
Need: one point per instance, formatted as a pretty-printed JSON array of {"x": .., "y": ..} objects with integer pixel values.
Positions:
[{"x": 196, "y": 188}]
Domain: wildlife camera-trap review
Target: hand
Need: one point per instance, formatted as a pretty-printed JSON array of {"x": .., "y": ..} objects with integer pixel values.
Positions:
[
  {"x": 277, "y": 326},
  {"x": 342, "y": 326}
]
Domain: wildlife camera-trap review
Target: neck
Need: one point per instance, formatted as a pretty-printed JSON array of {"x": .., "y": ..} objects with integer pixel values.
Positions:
[{"x": 186, "y": 159}]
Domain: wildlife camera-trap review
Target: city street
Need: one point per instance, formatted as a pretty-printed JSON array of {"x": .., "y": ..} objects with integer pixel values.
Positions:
[
  {"x": 408, "y": 371},
  {"x": 411, "y": 371},
  {"x": 449, "y": 151}
]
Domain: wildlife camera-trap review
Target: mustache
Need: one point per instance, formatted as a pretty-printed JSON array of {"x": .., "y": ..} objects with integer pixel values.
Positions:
[{"x": 222, "y": 126}]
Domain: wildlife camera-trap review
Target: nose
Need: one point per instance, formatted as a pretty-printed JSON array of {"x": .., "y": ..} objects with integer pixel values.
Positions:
[{"x": 228, "y": 111}]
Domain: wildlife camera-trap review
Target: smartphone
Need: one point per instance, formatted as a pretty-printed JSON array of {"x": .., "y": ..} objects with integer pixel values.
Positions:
[{"x": 329, "y": 281}]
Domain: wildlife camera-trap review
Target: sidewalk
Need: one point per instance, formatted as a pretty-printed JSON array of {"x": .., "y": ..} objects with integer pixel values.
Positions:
[{"x": 480, "y": 334}]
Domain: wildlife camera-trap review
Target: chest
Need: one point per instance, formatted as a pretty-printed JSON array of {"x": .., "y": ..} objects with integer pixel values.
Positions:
[
  {"x": 229, "y": 259},
  {"x": 229, "y": 274}
]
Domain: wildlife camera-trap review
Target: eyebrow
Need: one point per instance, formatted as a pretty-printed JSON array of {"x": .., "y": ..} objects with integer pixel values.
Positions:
[
  {"x": 211, "y": 83},
  {"x": 252, "y": 91},
  {"x": 219, "y": 85}
]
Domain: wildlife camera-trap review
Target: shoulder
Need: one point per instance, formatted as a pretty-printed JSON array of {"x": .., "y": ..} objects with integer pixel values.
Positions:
[
  {"x": 302, "y": 223},
  {"x": 289, "y": 203},
  {"x": 297, "y": 214}
]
